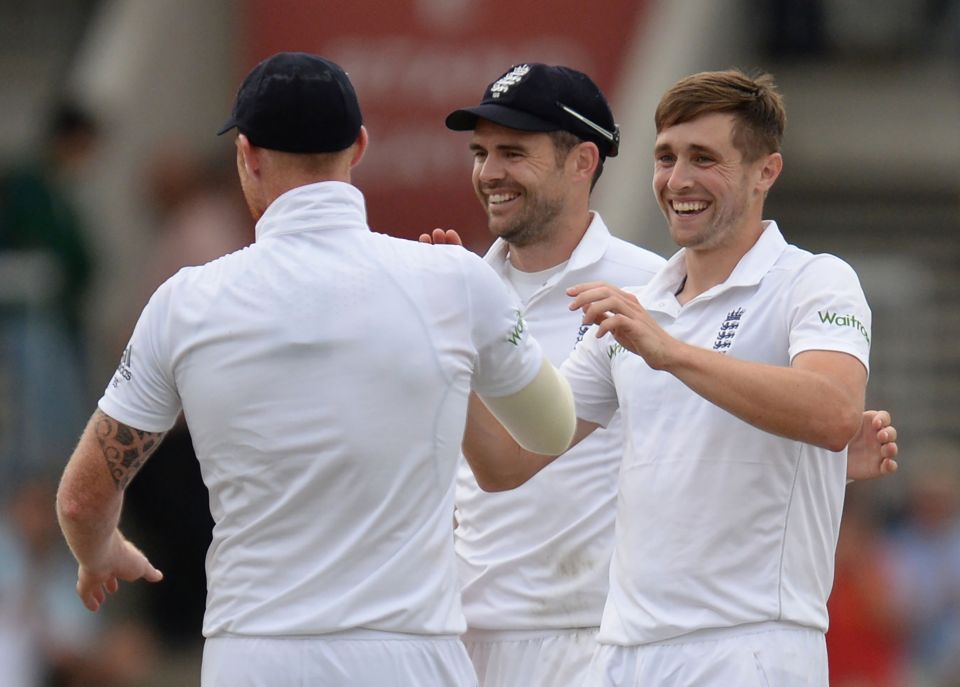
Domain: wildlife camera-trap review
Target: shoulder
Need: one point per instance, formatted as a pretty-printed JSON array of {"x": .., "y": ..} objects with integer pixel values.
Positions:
[
  {"x": 636, "y": 265},
  {"x": 424, "y": 256},
  {"x": 802, "y": 265}
]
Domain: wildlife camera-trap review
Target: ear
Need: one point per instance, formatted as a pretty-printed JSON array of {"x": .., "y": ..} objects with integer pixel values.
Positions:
[
  {"x": 249, "y": 156},
  {"x": 584, "y": 157},
  {"x": 770, "y": 168},
  {"x": 360, "y": 147}
]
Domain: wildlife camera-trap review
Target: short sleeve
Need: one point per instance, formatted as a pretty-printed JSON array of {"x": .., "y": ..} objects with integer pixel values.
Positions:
[
  {"x": 142, "y": 392},
  {"x": 590, "y": 373},
  {"x": 828, "y": 310},
  {"x": 508, "y": 357}
]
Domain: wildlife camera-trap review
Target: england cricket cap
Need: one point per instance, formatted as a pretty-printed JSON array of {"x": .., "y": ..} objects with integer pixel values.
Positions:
[
  {"x": 541, "y": 97},
  {"x": 297, "y": 103}
]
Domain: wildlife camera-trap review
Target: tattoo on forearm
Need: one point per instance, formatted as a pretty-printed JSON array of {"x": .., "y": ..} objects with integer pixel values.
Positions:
[{"x": 125, "y": 448}]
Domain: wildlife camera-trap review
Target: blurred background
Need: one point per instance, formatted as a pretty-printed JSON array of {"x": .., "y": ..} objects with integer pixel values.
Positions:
[{"x": 112, "y": 178}]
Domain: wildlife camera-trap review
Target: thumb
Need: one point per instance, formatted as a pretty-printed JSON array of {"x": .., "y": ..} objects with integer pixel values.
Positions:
[{"x": 152, "y": 574}]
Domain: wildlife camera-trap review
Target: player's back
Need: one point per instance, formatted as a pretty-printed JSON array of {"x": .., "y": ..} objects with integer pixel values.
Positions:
[{"x": 324, "y": 373}]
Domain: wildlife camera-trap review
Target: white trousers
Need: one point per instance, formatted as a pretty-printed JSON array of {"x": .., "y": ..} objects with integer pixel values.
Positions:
[
  {"x": 557, "y": 658},
  {"x": 350, "y": 659},
  {"x": 760, "y": 655}
]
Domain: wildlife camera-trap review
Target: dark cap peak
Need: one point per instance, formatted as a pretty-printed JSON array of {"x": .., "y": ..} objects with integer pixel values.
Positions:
[{"x": 540, "y": 97}]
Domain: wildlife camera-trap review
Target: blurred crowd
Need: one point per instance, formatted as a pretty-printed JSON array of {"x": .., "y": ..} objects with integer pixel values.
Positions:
[
  {"x": 48, "y": 264},
  {"x": 895, "y": 605}
]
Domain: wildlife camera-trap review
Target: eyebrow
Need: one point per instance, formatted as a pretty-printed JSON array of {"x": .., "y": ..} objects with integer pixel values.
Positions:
[
  {"x": 502, "y": 147},
  {"x": 693, "y": 148}
]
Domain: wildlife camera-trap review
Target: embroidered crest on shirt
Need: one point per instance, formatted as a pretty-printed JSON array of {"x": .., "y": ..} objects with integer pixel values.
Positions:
[
  {"x": 123, "y": 369},
  {"x": 511, "y": 78},
  {"x": 584, "y": 328},
  {"x": 728, "y": 330}
]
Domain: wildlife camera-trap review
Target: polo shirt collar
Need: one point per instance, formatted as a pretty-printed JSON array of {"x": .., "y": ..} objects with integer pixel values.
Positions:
[
  {"x": 660, "y": 294},
  {"x": 589, "y": 251},
  {"x": 312, "y": 207}
]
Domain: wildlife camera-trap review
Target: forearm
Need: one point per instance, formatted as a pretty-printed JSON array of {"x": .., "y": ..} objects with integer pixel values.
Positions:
[
  {"x": 90, "y": 495},
  {"x": 89, "y": 534},
  {"x": 88, "y": 514},
  {"x": 792, "y": 402},
  {"x": 497, "y": 460}
]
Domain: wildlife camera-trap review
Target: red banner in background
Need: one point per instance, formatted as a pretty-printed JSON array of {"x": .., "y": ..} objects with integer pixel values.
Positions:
[{"x": 414, "y": 61}]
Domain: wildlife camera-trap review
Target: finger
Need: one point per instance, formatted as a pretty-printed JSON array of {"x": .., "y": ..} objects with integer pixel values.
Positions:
[
  {"x": 453, "y": 238},
  {"x": 87, "y": 597},
  {"x": 881, "y": 419},
  {"x": 152, "y": 574},
  {"x": 577, "y": 289},
  {"x": 90, "y": 603},
  {"x": 597, "y": 312},
  {"x": 889, "y": 450},
  {"x": 888, "y": 466},
  {"x": 588, "y": 296},
  {"x": 610, "y": 324},
  {"x": 98, "y": 595},
  {"x": 888, "y": 434},
  {"x": 425, "y": 238},
  {"x": 112, "y": 585}
]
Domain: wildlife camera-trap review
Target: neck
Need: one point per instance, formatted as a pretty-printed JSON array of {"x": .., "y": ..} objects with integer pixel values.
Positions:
[
  {"x": 707, "y": 267},
  {"x": 554, "y": 249}
]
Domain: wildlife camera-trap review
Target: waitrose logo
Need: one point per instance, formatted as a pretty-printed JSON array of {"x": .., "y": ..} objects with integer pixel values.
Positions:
[{"x": 844, "y": 321}]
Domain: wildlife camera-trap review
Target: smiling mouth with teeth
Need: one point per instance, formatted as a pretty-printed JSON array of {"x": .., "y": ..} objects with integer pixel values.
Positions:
[
  {"x": 500, "y": 198},
  {"x": 689, "y": 207}
]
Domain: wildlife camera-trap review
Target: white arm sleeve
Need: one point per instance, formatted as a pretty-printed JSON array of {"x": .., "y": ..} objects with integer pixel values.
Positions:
[{"x": 541, "y": 416}]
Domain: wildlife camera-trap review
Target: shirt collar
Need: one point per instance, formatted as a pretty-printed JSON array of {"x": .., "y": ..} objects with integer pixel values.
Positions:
[
  {"x": 660, "y": 293},
  {"x": 591, "y": 249},
  {"x": 314, "y": 206}
]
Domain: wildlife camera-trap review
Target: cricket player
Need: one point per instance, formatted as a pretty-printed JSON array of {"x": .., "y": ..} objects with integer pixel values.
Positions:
[
  {"x": 324, "y": 375},
  {"x": 535, "y": 561}
]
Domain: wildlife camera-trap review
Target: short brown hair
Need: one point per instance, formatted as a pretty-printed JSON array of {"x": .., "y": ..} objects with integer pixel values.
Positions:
[
  {"x": 563, "y": 143},
  {"x": 753, "y": 100}
]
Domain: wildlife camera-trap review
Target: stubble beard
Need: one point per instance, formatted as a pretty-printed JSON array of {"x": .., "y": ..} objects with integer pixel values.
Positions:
[
  {"x": 718, "y": 231},
  {"x": 533, "y": 225}
]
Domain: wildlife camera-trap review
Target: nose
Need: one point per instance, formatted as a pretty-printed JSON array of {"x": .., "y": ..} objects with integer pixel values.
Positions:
[
  {"x": 681, "y": 176},
  {"x": 489, "y": 169}
]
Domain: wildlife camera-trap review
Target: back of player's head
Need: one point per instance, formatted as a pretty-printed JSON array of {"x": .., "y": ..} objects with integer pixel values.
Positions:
[
  {"x": 753, "y": 100},
  {"x": 296, "y": 102}
]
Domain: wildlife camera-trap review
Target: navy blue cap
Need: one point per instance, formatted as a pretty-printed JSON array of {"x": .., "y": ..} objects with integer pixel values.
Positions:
[
  {"x": 298, "y": 103},
  {"x": 541, "y": 97}
]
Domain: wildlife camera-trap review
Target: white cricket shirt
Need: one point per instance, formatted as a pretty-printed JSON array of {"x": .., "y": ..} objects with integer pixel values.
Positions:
[
  {"x": 719, "y": 523},
  {"x": 324, "y": 373},
  {"x": 537, "y": 557}
]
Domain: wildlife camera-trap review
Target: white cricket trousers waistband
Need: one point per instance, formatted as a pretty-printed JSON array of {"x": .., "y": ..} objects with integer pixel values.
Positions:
[
  {"x": 531, "y": 658},
  {"x": 359, "y": 658},
  {"x": 768, "y": 654}
]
